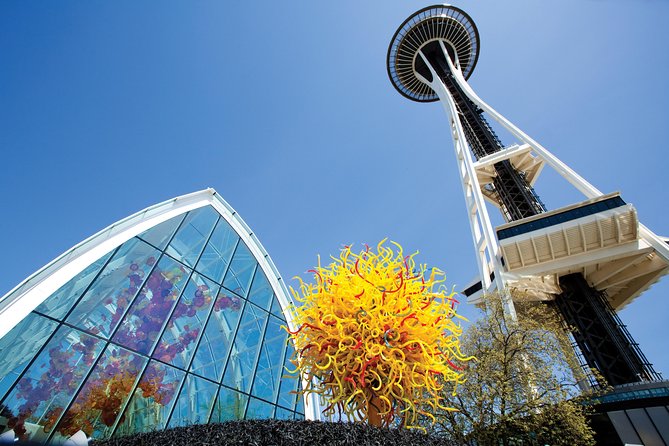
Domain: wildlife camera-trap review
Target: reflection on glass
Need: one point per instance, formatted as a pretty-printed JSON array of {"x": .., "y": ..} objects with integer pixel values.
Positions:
[
  {"x": 289, "y": 382},
  {"x": 195, "y": 402},
  {"x": 241, "y": 270},
  {"x": 152, "y": 400},
  {"x": 141, "y": 327},
  {"x": 59, "y": 303},
  {"x": 20, "y": 345},
  {"x": 259, "y": 409},
  {"x": 241, "y": 365},
  {"x": 189, "y": 240},
  {"x": 230, "y": 405},
  {"x": 270, "y": 363},
  {"x": 216, "y": 256},
  {"x": 42, "y": 394},
  {"x": 160, "y": 234},
  {"x": 276, "y": 308},
  {"x": 101, "y": 399},
  {"x": 103, "y": 305},
  {"x": 209, "y": 359},
  {"x": 185, "y": 325},
  {"x": 261, "y": 291},
  {"x": 283, "y": 414}
]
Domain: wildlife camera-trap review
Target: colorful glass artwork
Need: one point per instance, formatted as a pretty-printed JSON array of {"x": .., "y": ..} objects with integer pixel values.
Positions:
[{"x": 377, "y": 336}]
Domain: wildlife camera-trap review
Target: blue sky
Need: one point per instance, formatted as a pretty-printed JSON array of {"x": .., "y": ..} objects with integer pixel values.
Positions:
[{"x": 286, "y": 110}]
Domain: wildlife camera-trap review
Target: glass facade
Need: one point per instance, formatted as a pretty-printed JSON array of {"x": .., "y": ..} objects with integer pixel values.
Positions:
[{"x": 178, "y": 325}]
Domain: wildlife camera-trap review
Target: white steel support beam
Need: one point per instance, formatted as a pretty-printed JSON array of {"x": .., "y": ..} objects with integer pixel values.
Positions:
[
  {"x": 488, "y": 253},
  {"x": 565, "y": 171}
]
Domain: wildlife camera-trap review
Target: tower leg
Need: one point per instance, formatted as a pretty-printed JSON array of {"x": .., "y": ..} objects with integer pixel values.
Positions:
[{"x": 602, "y": 338}]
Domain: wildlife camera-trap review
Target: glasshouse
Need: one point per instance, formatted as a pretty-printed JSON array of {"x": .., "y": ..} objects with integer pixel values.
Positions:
[{"x": 170, "y": 317}]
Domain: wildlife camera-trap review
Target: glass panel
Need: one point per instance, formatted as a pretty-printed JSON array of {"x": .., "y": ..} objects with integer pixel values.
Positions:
[
  {"x": 21, "y": 345},
  {"x": 142, "y": 326},
  {"x": 151, "y": 403},
  {"x": 259, "y": 409},
  {"x": 241, "y": 270},
  {"x": 289, "y": 381},
  {"x": 160, "y": 234},
  {"x": 276, "y": 308},
  {"x": 209, "y": 359},
  {"x": 101, "y": 308},
  {"x": 261, "y": 291},
  {"x": 230, "y": 405},
  {"x": 44, "y": 391},
  {"x": 241, "y": 365},
  {"x": 195, "y": 402},
  {"x": 270, "y": 364},
  {"x": 184, "y": 328},
  {"x": 59, "y": 303},
  {"x": 216, "y": 256},
  {"x": 187, "y": 244},
  {"x": 283, "y": 414},
  {"x": 102, "y": 397}
]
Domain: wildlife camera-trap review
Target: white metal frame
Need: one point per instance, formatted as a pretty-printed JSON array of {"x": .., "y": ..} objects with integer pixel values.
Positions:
[{"x": 25, "y": 297}]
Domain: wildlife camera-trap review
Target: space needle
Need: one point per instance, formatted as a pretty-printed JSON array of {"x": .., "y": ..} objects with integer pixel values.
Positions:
[{"x": 588, "y": 259}]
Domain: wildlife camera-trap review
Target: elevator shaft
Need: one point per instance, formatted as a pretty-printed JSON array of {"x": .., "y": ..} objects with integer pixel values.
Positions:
[{"x": 516, "y": 197}]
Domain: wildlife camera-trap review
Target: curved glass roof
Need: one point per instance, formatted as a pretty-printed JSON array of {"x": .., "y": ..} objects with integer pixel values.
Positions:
[{"x": 178, "y": 324}]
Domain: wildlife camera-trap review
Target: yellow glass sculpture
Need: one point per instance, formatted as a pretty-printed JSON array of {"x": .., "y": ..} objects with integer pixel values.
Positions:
[{"x": 377, "y": 337}]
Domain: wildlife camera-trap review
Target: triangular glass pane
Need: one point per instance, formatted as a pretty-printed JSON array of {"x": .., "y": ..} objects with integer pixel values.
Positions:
[
  {"x": 276, "y": 308},
  {"x": 187, "y": 322},
  {"x": 59, "y": 303},
  {"x": 261, "y": 291},
  {"x": 161, "y": 234},
  {"x": 189, "y": 240},
  {"x": 216, "y": 256},
  {"x": 143, "y": 323},
  {"x": 241, "y": 270},
  {"x": 107, "y": 299}
]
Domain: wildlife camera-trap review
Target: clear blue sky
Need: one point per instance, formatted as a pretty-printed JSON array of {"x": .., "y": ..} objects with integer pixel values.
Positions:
[{"x": 285, "y": 108}]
